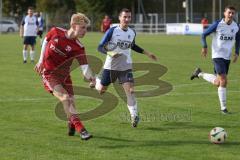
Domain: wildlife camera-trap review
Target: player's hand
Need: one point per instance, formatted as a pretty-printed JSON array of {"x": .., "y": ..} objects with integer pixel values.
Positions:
[
  {"x": 152, "y": 56},
  {"x": 117, "y": 55},
  {"x": 39, "y": 68},
  {"x": 235, "y": 58},
  {"x": 92, "y": 83},
  {"x": 204, "y": 52},
  {"x": 113, "y": 54}
]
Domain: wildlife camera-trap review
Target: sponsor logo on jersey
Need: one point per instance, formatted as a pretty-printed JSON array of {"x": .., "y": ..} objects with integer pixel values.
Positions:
[
  {"x": 124, "y": 44},
  {"x": 56, "y": 50},
  {"x": 226, "y": 38},
  {"x": 31, "y": 23}
]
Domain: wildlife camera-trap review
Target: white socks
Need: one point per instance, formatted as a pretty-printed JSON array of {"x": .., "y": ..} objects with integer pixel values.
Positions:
[
  {"x": 98, "y": 85},
  {"x": 222, "y": 93},
  {"x": 208, "y": 77},
  {"x": 25, "y": 55},
  {"x": 133, "y": 110},
  {"x": 32, "y": 55},
  {"x": 222, "y": 97}
]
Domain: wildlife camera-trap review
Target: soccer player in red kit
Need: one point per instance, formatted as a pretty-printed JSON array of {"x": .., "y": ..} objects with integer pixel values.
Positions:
[
  {"x": 106, "y": 23},
  {"x": 60, "y": 47}
]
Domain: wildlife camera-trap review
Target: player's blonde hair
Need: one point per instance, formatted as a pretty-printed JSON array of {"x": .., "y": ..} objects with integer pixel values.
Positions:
[{"x": 79, "y": 18}]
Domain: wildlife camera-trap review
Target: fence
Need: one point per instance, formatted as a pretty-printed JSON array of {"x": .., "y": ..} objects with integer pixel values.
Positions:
[{"x": 151, "y": 23}]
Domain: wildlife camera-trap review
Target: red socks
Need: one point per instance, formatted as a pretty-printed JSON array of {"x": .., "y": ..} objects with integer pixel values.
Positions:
[{"x": 74, "y": 119}]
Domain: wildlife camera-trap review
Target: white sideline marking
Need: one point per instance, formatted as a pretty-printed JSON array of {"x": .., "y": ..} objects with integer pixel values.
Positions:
[{"x": 168, "y": 94}]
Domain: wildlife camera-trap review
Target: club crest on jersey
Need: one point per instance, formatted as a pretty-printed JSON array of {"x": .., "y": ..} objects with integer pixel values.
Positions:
[
  {"x": 232, "y": 30},
  {"x": 68, "y": 48},
  {"x": 129, "y": 36}
]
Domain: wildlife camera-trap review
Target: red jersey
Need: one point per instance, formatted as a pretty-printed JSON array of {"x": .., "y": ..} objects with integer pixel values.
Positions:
[
  {"x": 106, "y": 24},
  {"x": 61, "y": 51},
  {"x": 204, "y": 22}
]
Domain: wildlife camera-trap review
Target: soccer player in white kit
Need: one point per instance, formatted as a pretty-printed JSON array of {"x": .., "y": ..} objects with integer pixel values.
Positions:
[
  {"x": 224, "y": 33},
  {"x": 117, "y": 44},
  {"x": 40, "y": 25},
  {"x": 28, "y": 30}
]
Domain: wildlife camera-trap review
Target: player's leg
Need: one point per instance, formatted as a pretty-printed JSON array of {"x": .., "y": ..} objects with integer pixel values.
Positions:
[
  {"x": 126, "y": 79},
  {"x": 211, "y": 78},
  {"x": 40, "y": 36},
  {"x": 69, "y": 107},
  {"x": 221, "y": 67},
  {"x": 32, "y": 51},
  {"x": 25, "y": 48},
  {"x": 131, "y": 102},
  {"x": 107, "y": 77},
  {"x": 222, "y": 92}
]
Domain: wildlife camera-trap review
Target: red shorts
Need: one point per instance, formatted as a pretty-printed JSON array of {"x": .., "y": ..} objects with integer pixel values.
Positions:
[{"x": 51, "y": 80}]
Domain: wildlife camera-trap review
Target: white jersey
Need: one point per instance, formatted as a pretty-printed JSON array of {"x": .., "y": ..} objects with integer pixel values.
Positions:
[
  {"x": 120, "y": 41},
  {"x": 40, "y": 23},
  {"x": 223, "y": 38},
  {"x": 30, "y": 25}
]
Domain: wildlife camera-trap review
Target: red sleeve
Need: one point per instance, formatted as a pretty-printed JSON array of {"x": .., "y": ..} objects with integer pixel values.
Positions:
[
  {"x": 81, "y": 57},
  {"x": 51, "y": 33}
]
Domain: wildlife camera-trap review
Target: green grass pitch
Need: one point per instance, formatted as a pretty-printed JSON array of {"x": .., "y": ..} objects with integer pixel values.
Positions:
[{"x": 174, "y": 125}]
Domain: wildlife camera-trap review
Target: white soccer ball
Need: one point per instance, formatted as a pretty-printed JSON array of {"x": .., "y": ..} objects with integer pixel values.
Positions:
[{"x": 217, "y": 135}]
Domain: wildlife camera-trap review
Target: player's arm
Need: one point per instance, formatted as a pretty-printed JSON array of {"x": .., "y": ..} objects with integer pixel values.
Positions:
[
  {"x": 237, "y": 46},
  {"x": 138, "y": 49},
  {"x": 106, "y": 38},
  {"x": 21, "y": 31},
  {"x": 37, "y": 24},
  {"x": 86, "y": 70},
  {"x": 39, "y": 65},
  {"x": 212, "y": 28}
]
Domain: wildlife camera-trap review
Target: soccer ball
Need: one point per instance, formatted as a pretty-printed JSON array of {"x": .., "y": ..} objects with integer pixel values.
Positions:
[{"x": 217, "y": 135}]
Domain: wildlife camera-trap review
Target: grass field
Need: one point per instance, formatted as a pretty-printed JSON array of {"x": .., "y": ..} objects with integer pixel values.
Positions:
[{"x": 174, "y": 125}]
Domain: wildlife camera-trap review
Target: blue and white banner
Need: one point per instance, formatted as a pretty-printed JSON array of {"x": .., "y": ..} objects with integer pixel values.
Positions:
[{"x": 184, "y": 28}]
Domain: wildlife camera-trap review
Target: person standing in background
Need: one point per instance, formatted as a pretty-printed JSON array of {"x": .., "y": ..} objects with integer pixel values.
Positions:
[
  {"x": 28, "y": 30},
  {"x": 204, "y": 22},
  {"x": 106, "y": 23},
  {"x": 40, "y": 25}
]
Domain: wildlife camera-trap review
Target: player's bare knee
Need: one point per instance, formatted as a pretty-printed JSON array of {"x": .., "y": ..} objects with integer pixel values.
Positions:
[
  {"x": 217, "y": 83},
  {"x": 223, "y": 82},
  {"x": 65, "y": 97},
  {"x": 131, "y": 91}
]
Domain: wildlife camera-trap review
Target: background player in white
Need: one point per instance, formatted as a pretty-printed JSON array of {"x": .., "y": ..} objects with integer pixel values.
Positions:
[
  {"x": 40, "y": 25},
  {"x": 225, "y": 33},
  {"x": 28, "y": 30},
  {"x": 117, "y": 44}
]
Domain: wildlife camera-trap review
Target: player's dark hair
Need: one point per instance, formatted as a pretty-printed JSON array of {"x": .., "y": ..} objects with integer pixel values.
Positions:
[
  {"x": 124, "y": 10},
  {"x": 31, "y": 8},
  {"x": 230, "y": 7}
]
